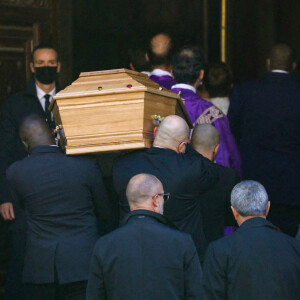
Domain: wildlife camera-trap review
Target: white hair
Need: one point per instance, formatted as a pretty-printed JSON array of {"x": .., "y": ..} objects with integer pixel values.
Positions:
[{"x": 249, "y": 198}]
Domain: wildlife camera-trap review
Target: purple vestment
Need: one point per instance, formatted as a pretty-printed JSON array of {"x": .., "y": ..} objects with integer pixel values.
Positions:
[
  {"x": 202, "y": 111},
  {"x": 163, "y": 78}
]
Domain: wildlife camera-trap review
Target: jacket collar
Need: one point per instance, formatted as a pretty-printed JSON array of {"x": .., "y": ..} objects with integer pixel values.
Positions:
[
  {"x": 184, "y": 86},
  {"x": 148, "y": 213},
  {"x": 46, "y": 149},
  {"x": 257, "y": 222},
  {"x": 154, "y": 149}
]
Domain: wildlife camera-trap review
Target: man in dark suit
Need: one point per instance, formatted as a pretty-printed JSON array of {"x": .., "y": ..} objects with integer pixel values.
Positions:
[
  {"x": 34, "y": 100},
  {"x": 61, "y": 196},
  {"x": 255, "y": 262},
  {"x": 146, "y": 258},
  {"x": 185, "y": 175},
  {"x": 264, "y": 116},
  {"x": 215, "y": 202}
]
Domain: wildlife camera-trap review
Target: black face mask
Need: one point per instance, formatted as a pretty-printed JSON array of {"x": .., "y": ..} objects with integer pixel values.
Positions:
[{"x": 46, "y": 75}]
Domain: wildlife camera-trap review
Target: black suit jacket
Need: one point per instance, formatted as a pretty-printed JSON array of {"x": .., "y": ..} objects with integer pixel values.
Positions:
[
  {"x": 216, "y": 206},
  {"x": 144, "y": 259},
  {"x": 13, "y": 112},
  {"x": 264, "y": 117},
  {"x": 186, "y": 176},
  {"x": 61, "y": 195},
  {"x": 257, "y": 262}
]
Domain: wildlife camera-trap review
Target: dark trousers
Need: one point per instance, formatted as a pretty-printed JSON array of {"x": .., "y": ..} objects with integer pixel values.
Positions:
[
  {"x": 285, "y": 217},
  {"x": 13, "y": 285},
  {"x": 55, "y": 291}
]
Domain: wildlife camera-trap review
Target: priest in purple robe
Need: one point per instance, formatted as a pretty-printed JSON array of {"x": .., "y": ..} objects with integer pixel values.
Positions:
[
  {"x": 188, "y": 65},
  {"x": 160, "y": 56}
]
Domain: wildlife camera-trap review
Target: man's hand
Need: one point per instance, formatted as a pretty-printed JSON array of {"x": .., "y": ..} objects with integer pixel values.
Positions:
[{"x": 7, "y": 211}]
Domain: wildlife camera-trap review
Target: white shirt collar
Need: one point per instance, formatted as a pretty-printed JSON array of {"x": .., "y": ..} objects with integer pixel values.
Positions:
[
  {"x": 280, "y": 71},
  {"x": 40, "y": 93},
  {"x": 146, "y": 72},
  {"x": 159, "y": 72},
  {"x": 184, "y": 86}
]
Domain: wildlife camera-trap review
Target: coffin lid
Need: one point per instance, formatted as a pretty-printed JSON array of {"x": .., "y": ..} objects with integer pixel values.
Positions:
[{"x": 115, "y": 81}]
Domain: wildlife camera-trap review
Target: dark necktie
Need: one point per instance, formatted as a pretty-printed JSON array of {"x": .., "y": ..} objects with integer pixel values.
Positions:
[{"x": 47, "y": 111}]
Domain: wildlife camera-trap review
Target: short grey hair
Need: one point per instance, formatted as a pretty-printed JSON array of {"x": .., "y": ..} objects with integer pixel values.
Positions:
[{"x": 249, "y": 198}]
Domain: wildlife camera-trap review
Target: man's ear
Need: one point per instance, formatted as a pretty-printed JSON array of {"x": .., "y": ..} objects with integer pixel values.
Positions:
[
  {"x": 294, "y": 66},
  {"x": 201, "y": 75},
  {"x": 181, "y": 147},
  {"x": 147, "y": 57},
  {"x": 131, "y": 66},
  {"x": 268, "y": 208},
  {"x": 154, "y": 203},
  {"x": 155, "y": 131},
  {"x": 26, "y": 146},
  {"x": 58, "y": 66},
  {"x": 235, "y": 213},
  {"x": 31, "y": 67},
  {"x": 216, "y": 149}
]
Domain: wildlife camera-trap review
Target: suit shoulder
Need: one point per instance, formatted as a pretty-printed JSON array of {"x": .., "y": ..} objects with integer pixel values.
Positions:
[
  {"x": 15, "y": 167},
  {"x": 228, "y": 173},
  {"x": 12, "y": 100},
  {"x": 82, "y": 162},
  {"x": 223, "y": 243},
  {"x": 128, "y": 156}
]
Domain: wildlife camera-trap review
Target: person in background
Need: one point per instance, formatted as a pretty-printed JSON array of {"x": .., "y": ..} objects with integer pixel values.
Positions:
[
  {"x": 219, "y": 85},
  {"x": 215, "y": 202},
  {"x": 138, "y": 62},
  {"x": 159, "y": 54},
  {"x": 188, "y": 70},
  {"x": 264, "y": 117}
]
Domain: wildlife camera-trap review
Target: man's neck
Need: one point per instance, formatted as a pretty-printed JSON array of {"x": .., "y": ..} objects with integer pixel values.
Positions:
[
  {"x": 47, "y": 88},
  {"x": 164, "y": 68},
  {"x": 241, "y": 219},
  {"x": 163, "y": 146}
]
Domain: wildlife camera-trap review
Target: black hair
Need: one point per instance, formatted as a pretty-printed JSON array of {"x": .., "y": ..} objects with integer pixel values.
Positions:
[
  {"x": 219, "y": 80},
  {"x": 187, "y": 64},
  {"x": 43, "y": 46},
  {"x": 138, "y": 59}
]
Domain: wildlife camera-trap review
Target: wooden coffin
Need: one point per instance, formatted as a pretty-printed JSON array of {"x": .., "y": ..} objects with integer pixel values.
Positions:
[{"x": 112, "y": 110}]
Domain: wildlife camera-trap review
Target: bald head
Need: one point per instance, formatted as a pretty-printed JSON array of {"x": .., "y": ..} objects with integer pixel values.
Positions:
[
  {"x": 34, "y": 131},
  {"x": 160, "y": 50},
  {"x": 140, "y": 190},
  {"x": 205, "y": 140},
  {"x": 172, "y": 131},
  {"x": 281, "y": 58}
]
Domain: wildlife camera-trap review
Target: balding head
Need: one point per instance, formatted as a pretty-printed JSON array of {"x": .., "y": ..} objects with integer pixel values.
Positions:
[
  {"x": 172, "y": 133},
  {"x": 206, "y": 140},
  {"x": 160, "y": 51},
  {"x": 34, "y": 131},
  {"x": 281, "y": 58},
  {"x": 142, "y": 191}
]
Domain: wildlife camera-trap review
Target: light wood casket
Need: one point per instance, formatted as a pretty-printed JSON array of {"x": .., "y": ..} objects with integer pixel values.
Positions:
[{"x": 112, "y": 110}]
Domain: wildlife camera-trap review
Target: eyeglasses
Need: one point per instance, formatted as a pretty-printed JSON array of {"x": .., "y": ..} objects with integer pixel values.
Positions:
[{"x": 166, "y": 196}]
